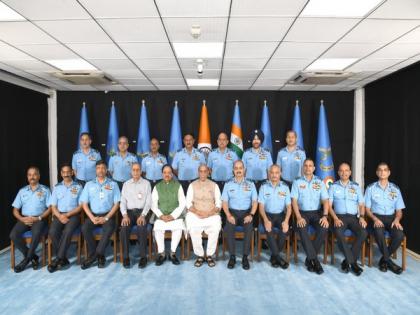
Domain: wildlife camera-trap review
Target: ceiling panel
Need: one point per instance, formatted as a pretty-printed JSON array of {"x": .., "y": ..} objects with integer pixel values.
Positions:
[
  {"x": 244, "y": 63},
  {"x": 319, "y": 29},
  {"x": 163, "y": 74},
  {"x": 253, "y": 50},
  {"x": 398, "y": 9},
  {"x": 234, "y": 87},
  {"x": 120, "y": 8},
  {"x": 75, "y": 31},
  {"x": 31, "y": 65},
  {"x": 140, "y": 87},
  {"x": 373, "y": 64},
  {"x": 112, "y": 64},
  {"x": 267, "y": 7},
  {"x": 212, "y": 29},
  {"x": 23, "y": 33},
  {"x": 47, "y": 52},
  {"x": 411, "y": 37},
  {"x": 207, "y": 74},
  {"x": 258, "y": 28},
  {"x": 125, "y": 73},
  {"x": 239, "y": 81},
  {"x": 188, "y": 8},
  {"x": 147, "y": 50},
  {"x": 157, "y": 63},
  {"x": 351, "y": 50},
  {"x": 397, "y": 51},
  {"x": 98, "y": 51},
  {"x": 168, "y": 81},
  {"x": 213, "y": 63},
  {"x": 300, "y": 50},
  {"x": 288, "y": 63},
  {"x": 8, "y": 52},
  {"x": 292, "y": 87},
  {"x": 277, "y": 74},
  {"x": 236, "y": 74},
  {"x": 172, "y": 87}
]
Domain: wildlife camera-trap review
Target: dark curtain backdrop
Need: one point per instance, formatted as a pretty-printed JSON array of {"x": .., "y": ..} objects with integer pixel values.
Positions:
[
  {"x": 24, "y": 142},
  {"x": 393, "y": 136},
  {"x": 339, "y": 107}
]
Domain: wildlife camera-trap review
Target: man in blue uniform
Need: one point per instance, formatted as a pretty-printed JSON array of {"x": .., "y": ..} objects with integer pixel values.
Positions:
[
  {"x": 290, "y": 158},
  {"x": 84, "y": 160},
  {"x": 308, "y": 192},
  {"x": 152, "y": 163},
  {"x": 186, "y": 162},
  {"x": 30, "y": 208},
  {"x": 120, "y": 163},
  {"x": 100, "y": 200},
  {"x": 346, "y": 205},
  {"x": 275, "y": 209},
  {"x": 64, "y": 203},
  {"x": 239, "y": 202},
  {"x": 220, "y": 161},
  {"x": 384, "y": 205}
]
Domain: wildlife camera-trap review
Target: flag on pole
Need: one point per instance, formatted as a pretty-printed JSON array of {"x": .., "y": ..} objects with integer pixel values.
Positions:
[
  {"x": 204, "y": 142},
  {"x": 324, "y": 166},
  {"x": 236, "y": 143},
  {"x": 143, "y": 137},
  {"x": 266, "y": 129},
  {"x": 84, "y": 124},
  {"x": 297, "y": 126},
  {"x": 175, "y": 141},
  {"x": 112, "y": 140}
]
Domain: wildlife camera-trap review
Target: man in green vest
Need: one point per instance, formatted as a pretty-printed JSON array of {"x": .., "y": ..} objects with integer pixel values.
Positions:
[{"x": 168, "y": 203}]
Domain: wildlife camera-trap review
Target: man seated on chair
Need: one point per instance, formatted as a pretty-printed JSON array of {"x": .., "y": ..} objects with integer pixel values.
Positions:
[
  {"x": 203, "y": 204},
  {"x": 66, "y": 209},
  {"x": 168, "y": 203},
  {"x": 384, "y": 205},
  {"x": 346, "y": 198},
  {"x": 32, "y": 201},
  {"x": 100, "y": 200},
  {"x": 275, "y": 209},
  {"x": 136, "y": 200},
  {"x": 239, "y": 202},
  {"x": 308, "y": 192}
]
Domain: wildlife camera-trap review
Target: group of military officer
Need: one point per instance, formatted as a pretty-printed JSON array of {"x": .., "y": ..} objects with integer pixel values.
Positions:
[{"x": 248, "y": 190}]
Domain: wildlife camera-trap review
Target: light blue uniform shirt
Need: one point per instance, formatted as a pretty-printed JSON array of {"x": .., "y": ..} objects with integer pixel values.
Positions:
[
  {"x": 239, "y": 195},
  {"x": 85, "y": 164},
  {"x": 187, "y": 164},
  {"x": 32, "y": 203},
  {"x": 101, "y": 197},
  {"x": 274, "y": 198},
  {"x": 291, "y": 163},
  {"x": 383, "y": 201},
  {"x": 346, "y": 199},
  {"x": 309, "y": 194},
  {"x": 221, "y": 164},
  {"x": 120, "y": 167},
  {"x": 152, "y": 166},
  {"x": 66, "y": 198},
  {"x": 257, "y": 163}
]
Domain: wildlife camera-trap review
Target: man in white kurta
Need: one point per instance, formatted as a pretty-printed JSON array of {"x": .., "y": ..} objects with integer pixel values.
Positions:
[
  {"x": 203, "y": 204},
  {"x": 168, "y": 203}
]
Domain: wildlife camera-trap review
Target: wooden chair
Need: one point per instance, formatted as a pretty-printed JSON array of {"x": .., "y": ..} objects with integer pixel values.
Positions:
[
  {"x": 348, "y": 237},
  {"x": 27, "y": 236},
  {"x": 204, "y": 236},
  {"x": 168, "y": 236},
  {"x": 240, "y": 235},
  {"x": 312, "y": 235},
  {"x": 133, "y": 237},
  {"x": 262, "y": 235}
]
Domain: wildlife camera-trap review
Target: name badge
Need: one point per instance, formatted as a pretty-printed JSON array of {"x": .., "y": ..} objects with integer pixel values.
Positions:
[
  {"x": 101, "y": 195},
  {"x": 139, "y": 196}
]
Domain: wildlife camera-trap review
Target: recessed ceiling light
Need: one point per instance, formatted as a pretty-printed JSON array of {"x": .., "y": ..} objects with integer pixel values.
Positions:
[
  {"x": 198, "y": 50},
  {"x": 339, "y": 8},
  {"x": 71, "y": 64},
  {"x": 331, "y": 64},
  {"x": 203, "y": 82},
  {"x": 8, "y": 14}
]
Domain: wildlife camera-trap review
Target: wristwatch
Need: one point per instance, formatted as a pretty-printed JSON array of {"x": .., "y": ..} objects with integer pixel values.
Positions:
[
  {"x": 40, "y": 218},
  {"x": 106, "y": 219}
]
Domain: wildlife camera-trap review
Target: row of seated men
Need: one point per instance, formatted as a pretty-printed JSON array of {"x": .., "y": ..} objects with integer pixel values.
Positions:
[{"x": 309, "y": 198}]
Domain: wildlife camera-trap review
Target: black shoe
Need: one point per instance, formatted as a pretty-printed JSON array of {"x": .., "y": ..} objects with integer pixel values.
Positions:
[
  {"x": 22, "y": 265},
  {"x": 126, "y": 263},
  {"x": 53, "y": 266},
  {"x": 174, "y": 259},
  {"x": 245, "y": 262},
  {"x": 383, "y": 266},
  {"x": 101, "y": 261},
  {"x": 394, "y": 267},
  {"x": 232, "y": 262},
  {"x": 356, "y": 269},
  {"x": 318, "y": 268},
  {"x": 160, "y": 259},
  {"x": 88, "y": 262},
  {"x": 274, "y": 262},
  {"x": 35, "y": 262},
  {"x": 63, "y": 263},
  {"x": 264, "y": 244},
  {"x": 309, "y": 265},
  {"x": 282, "y": 263},
  {"x": 345, "y": 266},
  {"x": 142, "y": 262}
]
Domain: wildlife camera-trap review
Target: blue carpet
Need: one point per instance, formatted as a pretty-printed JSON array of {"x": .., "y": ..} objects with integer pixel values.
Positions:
[{"x": 186, "y": 289}]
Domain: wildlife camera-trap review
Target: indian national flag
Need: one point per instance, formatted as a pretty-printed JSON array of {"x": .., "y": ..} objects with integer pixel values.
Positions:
[
  {"x": 204, "y": 143},
  {"x": 236, "y": 143}
]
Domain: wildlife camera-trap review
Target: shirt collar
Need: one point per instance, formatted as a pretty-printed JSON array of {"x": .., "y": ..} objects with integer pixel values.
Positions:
[
  {"x": 236, "y": 182},
  {"x": 306, "y": 180},
  {"x": 287, "y": 149},
  {"x": 259, "y": 150},
  {"x": 379, "y": 185},
  {"x": 38, "y": 187},
  {"x": 343, "y": 185},
  {"x": 64, "y": 184},
  {"x": 105, "y": 181}
]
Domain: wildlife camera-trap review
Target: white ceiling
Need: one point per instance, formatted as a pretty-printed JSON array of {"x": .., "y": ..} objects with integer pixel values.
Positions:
[{"x": 267, "y": 42}]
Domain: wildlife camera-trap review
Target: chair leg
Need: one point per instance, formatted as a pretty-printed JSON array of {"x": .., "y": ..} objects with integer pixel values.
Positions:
[
  {"x": 115, "y": 247},
  {"x": 189, "y": 248},
  {"x": 332, "y": 249},
  {"x": 404, "y": 252},
  {"x": 121, "y": 256},
  {"x": 223, "y": 246},
  {"x": 43, "y": 240},
  {"x": 363, "y": 253},
  {"x": 252, "y": 246},
  {"x": 79, "y": 249},
  {"x": 325, "y": 250},
  {"x": 85, "y": 249},
  {"x": 149, "y": 237},
  {"x": 12, "y": 255},
  {"x": 217, "y": 249},
  {"x": 182, "y": 247},
  {"x": 295, "y": 248},
  {"x": 259, "y": 242},
  {"x": 370, "y": 250},
  {"x": 49, "y": 250}
]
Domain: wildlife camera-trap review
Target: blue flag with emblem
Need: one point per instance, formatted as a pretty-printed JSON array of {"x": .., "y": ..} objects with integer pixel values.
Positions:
[
  {"x": 266, "y": 129},
  {"x": 297, "y": 125},
  {"x": 175, "y": 141},
  {"x": 84, "y": 124},
  {"x": 112, "y": 140},
  {"x": 143, "y": 137},
  {"x": 324, "y": 166}
]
